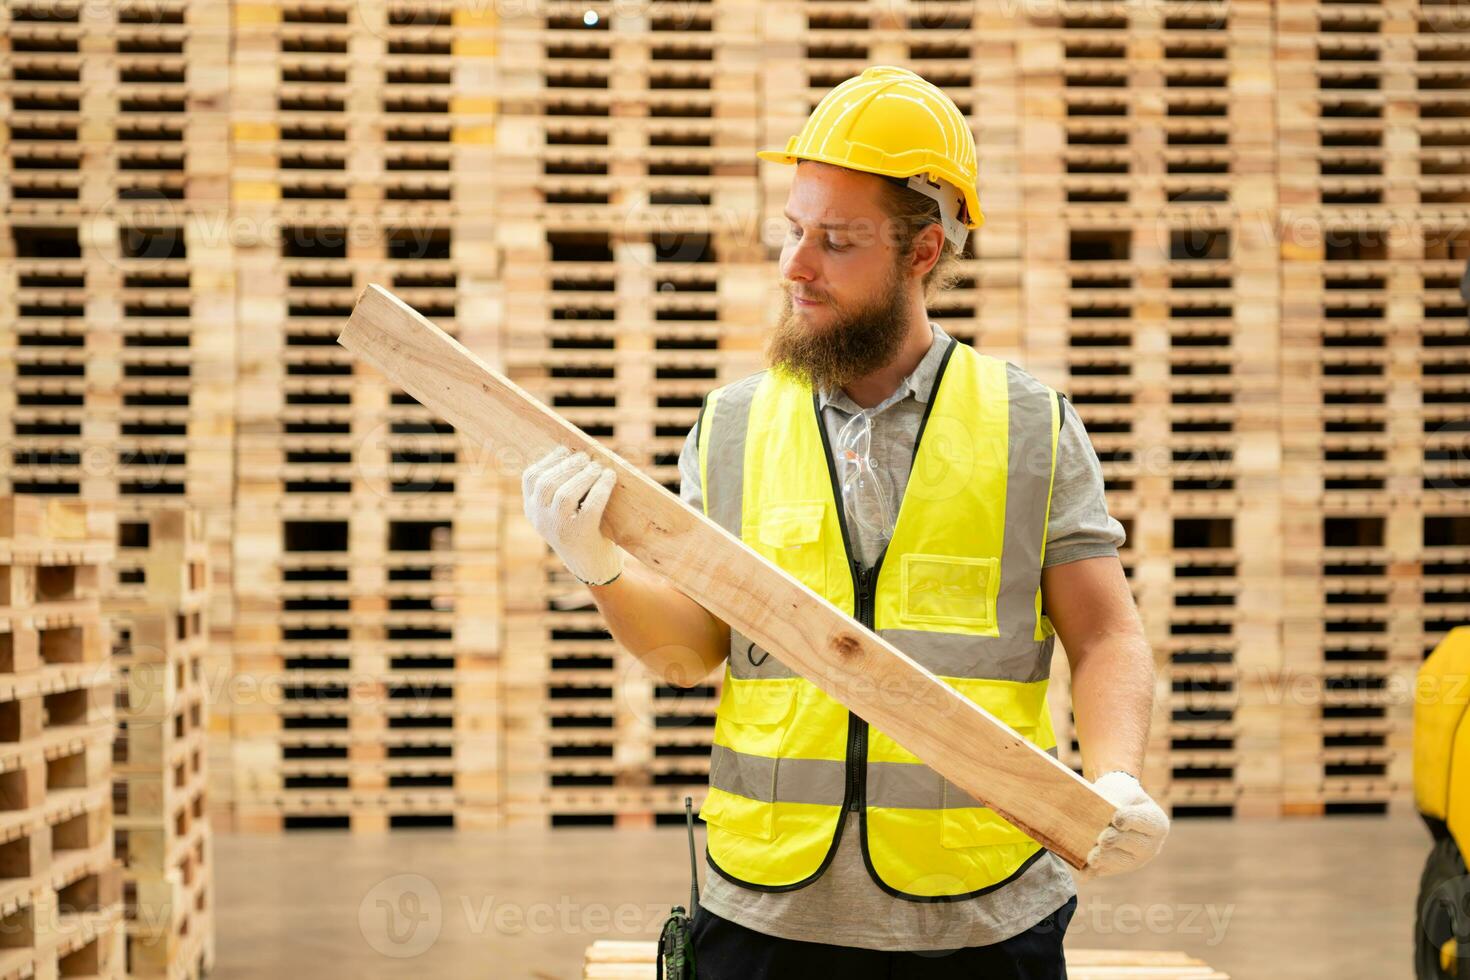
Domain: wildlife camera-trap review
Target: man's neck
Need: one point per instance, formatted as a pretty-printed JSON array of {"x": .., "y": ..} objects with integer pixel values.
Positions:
[{"x": 871, "y": 389}]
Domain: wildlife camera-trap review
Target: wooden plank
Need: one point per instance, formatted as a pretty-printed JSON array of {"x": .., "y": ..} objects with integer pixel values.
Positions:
[{"x": 858, "y": 668}]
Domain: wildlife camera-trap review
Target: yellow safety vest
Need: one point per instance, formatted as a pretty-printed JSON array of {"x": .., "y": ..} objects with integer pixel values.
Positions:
[{"x": 958, "y": 588}]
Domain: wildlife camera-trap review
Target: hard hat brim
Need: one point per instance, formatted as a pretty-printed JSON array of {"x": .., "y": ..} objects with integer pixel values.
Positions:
[{"x": 782, "y": 156}]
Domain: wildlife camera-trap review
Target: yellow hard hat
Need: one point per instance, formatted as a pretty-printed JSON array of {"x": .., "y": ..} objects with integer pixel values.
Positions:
[{"x": 891, "y": 121}]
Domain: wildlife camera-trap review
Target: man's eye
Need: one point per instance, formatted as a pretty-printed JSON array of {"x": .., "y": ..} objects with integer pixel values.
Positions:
[
  {"x": 793, "y": 232},
  {"x": 837, "y": 246}
]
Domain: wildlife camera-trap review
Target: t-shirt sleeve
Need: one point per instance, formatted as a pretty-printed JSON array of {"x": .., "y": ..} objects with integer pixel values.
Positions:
[
  {"x": 689, "y": 489},
  {"x": 1079, "y": 525}
]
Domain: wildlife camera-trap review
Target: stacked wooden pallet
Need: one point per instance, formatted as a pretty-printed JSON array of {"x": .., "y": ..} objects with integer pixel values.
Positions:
[
  {"x": 158, "y": 602},
  {"x": 367, "y": 534},
  {"x": 1146, "y": 152},
  {"x": 626, "y": 208},
  {"x": 117, "y": 342},
  {"x": 62, "y": 908},
  {"x": 1229, "y": 231},
  {"x": 609, "y": 959},
  {"x": 1374, "y": 122}
]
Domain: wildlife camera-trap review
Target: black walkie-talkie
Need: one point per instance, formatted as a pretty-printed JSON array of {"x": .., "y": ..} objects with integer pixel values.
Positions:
[{"x": 676, "y": 940}]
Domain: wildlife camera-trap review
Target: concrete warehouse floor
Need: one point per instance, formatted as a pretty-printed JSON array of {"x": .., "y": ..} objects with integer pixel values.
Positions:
[{"x": 1304, "y": 899}]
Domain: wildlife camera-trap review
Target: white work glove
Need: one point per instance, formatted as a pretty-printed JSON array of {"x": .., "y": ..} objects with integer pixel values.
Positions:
[
  {"x": 552, "y": 489},
  {"x": 1136, "y": 834}
]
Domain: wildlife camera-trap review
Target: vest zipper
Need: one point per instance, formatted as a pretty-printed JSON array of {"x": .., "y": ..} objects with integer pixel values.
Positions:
[
  {"x": 865, "y": 583},
  {"x": 857, "y": 733}
]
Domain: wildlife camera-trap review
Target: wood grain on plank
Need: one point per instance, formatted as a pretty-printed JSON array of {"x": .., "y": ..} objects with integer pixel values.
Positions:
[{"x": 963, "y": 742}]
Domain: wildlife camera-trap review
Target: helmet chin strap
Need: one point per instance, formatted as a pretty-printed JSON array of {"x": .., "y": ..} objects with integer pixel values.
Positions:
[{"x": 952, "y": 211}]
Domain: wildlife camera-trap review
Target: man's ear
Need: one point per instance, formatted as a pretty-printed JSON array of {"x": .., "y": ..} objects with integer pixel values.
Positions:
[{"x": 928, "y": 246}]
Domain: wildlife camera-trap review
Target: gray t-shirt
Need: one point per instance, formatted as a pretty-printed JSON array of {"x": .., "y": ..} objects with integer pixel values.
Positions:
[{"x": 845, "y": 906}]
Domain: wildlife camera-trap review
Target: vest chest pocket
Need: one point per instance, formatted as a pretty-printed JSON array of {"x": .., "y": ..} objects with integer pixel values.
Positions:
[
  {"x": 949, "y": 590},
  {"x": 790, "y": 535}
]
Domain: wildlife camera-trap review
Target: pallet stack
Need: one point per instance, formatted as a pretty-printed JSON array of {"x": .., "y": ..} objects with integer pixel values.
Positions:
[
  {"x": 1375, "y": 122},
  {"x": 1149, "y": 298},
  {"x": 368, "y": 532},
  {"x": 1229, "y": 230},
  {"x": 1431, "y": 580},
  {"x": 117, "y": 340},
  {"x": 62, "y": 907},
  {"x": 158, "y": 602},
  {"x": 626, "y": 206},
  {"x": 1132, "y": 256}
]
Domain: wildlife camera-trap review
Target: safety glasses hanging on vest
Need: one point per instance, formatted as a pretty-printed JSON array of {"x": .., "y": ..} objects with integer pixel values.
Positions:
[{"x": 864, "y": 498}]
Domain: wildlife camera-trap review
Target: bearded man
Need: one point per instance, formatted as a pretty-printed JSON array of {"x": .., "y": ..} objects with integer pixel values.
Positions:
[{"x": 945, "y": 498}]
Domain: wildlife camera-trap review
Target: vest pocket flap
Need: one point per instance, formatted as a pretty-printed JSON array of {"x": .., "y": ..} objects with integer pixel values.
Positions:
[
  {"x": 792, "y": 523},
  {"x": 758, "y": 702},
  {"x": 727, "y": 811},
  {"x": 978, "y": 827}
]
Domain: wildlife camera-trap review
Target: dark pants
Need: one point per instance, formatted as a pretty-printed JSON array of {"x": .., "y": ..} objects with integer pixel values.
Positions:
[{"x": 725, "y": 950}]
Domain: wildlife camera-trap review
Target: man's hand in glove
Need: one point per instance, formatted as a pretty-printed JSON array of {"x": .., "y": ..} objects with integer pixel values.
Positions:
[
  {"x": 552, "y": 491},
  {"x": 1137, "y": 832}
]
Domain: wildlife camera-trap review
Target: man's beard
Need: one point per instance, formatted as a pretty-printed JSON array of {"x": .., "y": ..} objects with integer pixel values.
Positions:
[{"x": 855, "y": 344}]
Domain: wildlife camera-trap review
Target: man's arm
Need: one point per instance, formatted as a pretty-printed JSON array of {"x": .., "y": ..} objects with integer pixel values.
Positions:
[
  {"x": 1091, "y": 606},
  {"x": 1086, "y": 596},
  {"x": 674, "y": 636},
  {"x": 564, "y": 495}
]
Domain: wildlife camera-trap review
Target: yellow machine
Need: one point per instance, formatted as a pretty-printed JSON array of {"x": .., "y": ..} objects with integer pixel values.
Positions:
[{"x": 1442, "y": 793}]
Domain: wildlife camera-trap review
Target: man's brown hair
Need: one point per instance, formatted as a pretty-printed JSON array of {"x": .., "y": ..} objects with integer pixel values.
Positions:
[{"x": 912, "y": 212}]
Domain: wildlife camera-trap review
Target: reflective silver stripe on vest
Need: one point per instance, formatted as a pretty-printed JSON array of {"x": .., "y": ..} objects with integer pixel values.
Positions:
[
  {"x": 726, "y": 460},
  {"x": 754, "y": 777},
  {"x": 824, "y": 782},
  {"x": 1007, "y": 658},
  {"x": 1029, "y": 465}
]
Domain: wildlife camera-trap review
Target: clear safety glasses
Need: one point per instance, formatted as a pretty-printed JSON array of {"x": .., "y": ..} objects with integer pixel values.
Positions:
[{"x": 865, "y": 498}]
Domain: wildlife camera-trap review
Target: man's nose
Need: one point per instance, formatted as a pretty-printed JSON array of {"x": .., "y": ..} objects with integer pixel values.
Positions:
[{"x": 797, "y": 264}]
